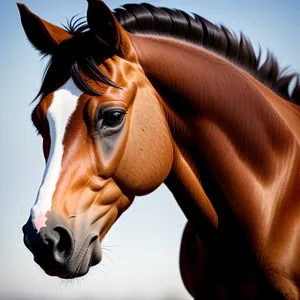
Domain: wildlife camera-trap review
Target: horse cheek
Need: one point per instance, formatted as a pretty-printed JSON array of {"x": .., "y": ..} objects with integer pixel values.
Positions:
[{"x": 148, "y": 155}]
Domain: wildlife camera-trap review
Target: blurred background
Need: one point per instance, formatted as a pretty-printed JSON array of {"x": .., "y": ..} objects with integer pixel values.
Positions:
[{"x": 142, "y": 249}]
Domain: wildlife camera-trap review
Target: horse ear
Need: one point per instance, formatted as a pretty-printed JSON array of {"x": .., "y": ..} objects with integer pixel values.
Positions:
[
  {"x": 104, "y": 25},
  {"x": 43, "y": 35}
]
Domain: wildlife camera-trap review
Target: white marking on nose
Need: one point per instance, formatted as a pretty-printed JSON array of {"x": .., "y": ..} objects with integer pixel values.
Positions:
[{"x": 59, "y": 113}]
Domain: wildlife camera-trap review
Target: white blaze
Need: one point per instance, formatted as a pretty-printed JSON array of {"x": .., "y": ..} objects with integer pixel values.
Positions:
[{"x": 59, "y": 113}]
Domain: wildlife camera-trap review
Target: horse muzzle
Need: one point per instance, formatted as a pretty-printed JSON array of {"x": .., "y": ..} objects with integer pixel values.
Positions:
[{"x": 61, "y": 252}]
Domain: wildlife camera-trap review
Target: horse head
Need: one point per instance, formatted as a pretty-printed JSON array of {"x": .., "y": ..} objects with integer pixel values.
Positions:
[{"x": 105, "y": 138}]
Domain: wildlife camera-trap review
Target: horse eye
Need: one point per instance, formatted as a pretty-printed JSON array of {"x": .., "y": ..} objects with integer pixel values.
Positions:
[{"x": 112, "y": 118}]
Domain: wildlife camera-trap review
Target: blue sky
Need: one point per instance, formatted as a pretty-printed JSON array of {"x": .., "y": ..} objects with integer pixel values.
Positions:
[{"x": 146, "y": 239}]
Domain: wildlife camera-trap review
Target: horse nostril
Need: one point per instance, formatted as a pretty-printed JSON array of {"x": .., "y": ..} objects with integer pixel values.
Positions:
[
  {"x": 97, "y": 252},
  {"x": 64, "y": 247},
  {"x": 93, "y": 239}
]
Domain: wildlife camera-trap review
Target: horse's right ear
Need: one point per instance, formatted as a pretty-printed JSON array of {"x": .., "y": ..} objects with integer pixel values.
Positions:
[{"x": 43, "y": 35}]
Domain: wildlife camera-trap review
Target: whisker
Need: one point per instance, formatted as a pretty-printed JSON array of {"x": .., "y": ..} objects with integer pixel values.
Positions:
[
  {"x": 112, "y": 246},
  {"x": 99, "y": 269},
  {"x": 92, "y": 273},
  {"x": 109, "y": 258},
  {"x": 103, "y": 265},
  {"x": 111, "y": 251},
  {"x": 105, "y": 242}
]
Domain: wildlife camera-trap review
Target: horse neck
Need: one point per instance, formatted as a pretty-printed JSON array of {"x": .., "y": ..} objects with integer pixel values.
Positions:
[{"x": 220, "y": 115}]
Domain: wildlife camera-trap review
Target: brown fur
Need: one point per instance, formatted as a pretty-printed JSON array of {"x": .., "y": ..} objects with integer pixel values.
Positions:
[{"x": 225, "y": 145}]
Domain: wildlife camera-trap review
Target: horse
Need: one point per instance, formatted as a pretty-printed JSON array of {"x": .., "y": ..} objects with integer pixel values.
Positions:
[{"x": 141, "y": 96}]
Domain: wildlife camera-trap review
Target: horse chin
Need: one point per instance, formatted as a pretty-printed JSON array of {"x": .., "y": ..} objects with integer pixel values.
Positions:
[
  {"x": 71, "y": 270},
  {"x": 81, "y": 270},
  {"x": 77, "y": 266}
]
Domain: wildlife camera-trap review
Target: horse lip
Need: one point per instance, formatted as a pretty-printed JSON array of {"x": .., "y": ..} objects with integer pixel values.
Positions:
[
  {"x": 86, "y": 254},
  {"x": 67, "y": 272},
  {"x": 82, "y": 268}
]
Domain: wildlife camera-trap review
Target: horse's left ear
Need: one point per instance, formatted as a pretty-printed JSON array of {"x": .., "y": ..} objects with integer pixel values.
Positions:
[
  {"x": 104, "y": 25},
  {"x": 43, "y": 35}
]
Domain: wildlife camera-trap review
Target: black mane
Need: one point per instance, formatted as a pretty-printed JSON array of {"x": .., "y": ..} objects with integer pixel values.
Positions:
[{"x": 147, "y": 19}]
